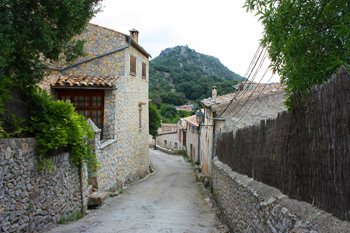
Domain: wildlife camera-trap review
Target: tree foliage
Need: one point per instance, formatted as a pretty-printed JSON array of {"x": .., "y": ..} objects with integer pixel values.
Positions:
[
  {"x": 33, "y": 32},
  {"x": 169, "y": 114},
  {"x": 175, "y": 98},
  {"x": 168, "y": 111},
  {"x": 307, "y": 40},
  {"x": 32, "y": 35},
  {"x": 154, "y": 120},
  {"x": 57, "y": 126}
]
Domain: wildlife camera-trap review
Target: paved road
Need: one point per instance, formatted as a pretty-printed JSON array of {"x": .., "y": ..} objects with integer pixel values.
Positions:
[{"x": 169, "y": 201}]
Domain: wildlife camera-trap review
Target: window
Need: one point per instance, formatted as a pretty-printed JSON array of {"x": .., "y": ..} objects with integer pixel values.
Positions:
[
  {"x": 165, "y": 142},
  {"x": 132, "y": 65},
  {"x": 89, "y": 103},
  {"x": 144, "y": 70}
]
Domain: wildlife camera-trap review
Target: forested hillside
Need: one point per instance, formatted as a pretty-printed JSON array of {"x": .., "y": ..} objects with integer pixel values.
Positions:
[{"x": 180, "y": 74}]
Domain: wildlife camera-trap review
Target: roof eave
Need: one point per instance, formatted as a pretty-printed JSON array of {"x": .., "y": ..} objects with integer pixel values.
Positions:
[
  {"x": 85, "y": 88},
  {"x": 138, "y": 47}
]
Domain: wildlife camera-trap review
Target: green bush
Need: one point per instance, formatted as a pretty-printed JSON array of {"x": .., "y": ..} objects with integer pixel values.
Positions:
[
  {"x": 57, "y": 126},
  {"x": 74, "y": 216}
]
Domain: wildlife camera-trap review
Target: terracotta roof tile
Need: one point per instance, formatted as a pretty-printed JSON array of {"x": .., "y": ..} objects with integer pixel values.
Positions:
[
  {"x": 85, "y": 81},
  {"x": 192, "y": 120}
]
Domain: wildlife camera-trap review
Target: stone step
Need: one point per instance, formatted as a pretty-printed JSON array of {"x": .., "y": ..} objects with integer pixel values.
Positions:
[{"x": 96, "y": 199}]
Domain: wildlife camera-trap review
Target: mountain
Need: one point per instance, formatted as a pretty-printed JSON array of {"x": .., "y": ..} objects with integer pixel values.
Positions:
[{"x": 180, "y": 74}]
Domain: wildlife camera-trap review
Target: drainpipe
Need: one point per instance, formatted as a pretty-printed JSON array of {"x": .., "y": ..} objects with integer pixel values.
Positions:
[
  {"x": 213, "y": 138},
  {"x": 199, "y": 143}
]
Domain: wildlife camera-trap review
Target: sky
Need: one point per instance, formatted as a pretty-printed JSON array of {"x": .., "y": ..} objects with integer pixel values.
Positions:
[{"x": 222, "y": 28}]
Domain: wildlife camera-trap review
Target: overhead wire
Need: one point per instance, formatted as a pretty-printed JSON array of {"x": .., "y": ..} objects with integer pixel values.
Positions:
[
  {"x": 261, "y": 62},
  {"x": 251, "y": 94},
  {"x": 251, "y": 67},
  {"x": 254, "y": 101}
]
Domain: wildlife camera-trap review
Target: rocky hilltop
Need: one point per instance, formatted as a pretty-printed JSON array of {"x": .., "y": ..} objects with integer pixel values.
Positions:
[{"x": 188, "y": 75}]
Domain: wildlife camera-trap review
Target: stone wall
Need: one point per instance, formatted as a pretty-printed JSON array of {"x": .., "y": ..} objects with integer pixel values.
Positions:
[
  {"x": 32, "y": 200},
  {"x": 250, "y": 206},
  {"x": 130, "y": 123},
  {"x": 168, "y": 140},
  {"x": 107, "y": 176},
  {"x": 303, "y": 152},
  {"x": 166, "y": 128}
]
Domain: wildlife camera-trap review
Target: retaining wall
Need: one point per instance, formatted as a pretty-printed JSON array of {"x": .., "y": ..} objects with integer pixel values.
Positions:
[
  {"x": 250, "y": 206},
  {"x": 34, "y": 201}
]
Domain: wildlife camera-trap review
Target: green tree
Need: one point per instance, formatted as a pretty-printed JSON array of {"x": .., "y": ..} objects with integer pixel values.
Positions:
[
  {"x": 307, "y": 40},
  {"x": 154, "y": 120},
  {"x": 168, "y": 111},
  {"x": 34, "y": 32},
  {"x": 182, "y": 113},
  {"x": 175, "y": 98}
]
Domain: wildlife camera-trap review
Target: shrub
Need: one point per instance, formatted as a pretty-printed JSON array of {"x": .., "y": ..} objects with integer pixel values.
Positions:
[{"x": 57, "y": 126}]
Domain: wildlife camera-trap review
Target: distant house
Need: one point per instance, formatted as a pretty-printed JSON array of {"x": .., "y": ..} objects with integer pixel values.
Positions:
[
  {"x": 234, "y": 111},
  {"x": 188, "y": 136},
  {"x": 245, "y": 85},
  {"x": 109, "y": 85},
  {"x": 186, "y": 107},
  {"x": 168, "y": 137}
]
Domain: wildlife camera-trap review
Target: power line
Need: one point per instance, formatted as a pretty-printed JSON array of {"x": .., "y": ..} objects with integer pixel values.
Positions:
[
  {"x": 246, "y": 90},
  {"x": 250, "y": 69},
  {"x": 251, "y": 94},
  {"x": 254, "y": 101}
]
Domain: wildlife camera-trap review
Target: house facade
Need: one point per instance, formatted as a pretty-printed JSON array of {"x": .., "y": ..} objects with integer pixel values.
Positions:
[
  {"x": 109, "y": 85},
  {"x": 186, "y": 107},
  {"x": 168, "y": 137},
  {"x": 233, "y": 111},
  {"x": 188, "y": 136}
]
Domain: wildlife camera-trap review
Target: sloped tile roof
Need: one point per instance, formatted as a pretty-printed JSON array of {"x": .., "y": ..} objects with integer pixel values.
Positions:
[
  {"x": 192, "y": 120},
  {"x": 72, "y": 81},
  {"x": 262, "y": 89}
]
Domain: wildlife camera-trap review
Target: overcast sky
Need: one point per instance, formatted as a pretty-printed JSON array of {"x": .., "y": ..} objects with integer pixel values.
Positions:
[{"x": 219, "y": 28}]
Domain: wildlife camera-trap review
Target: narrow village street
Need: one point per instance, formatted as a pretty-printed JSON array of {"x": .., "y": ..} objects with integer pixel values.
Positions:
[{"x": 167, "y": 201}]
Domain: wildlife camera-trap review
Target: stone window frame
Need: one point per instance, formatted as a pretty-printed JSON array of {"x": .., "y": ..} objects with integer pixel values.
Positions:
[
  {"x": 144, "y": 70},
  {"x": 133, "y": 64}
]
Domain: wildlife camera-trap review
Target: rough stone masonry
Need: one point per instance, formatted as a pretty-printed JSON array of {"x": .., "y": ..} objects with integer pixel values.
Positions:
[
  {"x": 251, "y": 206},
  {"x": 30, "y": 200}
]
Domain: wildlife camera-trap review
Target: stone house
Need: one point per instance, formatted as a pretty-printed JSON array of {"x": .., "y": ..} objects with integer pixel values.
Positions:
[
  {"x": 167, "y": 137},
  {"x": 188, "y": 130},
  {"x": 245, "y": 85},
  {"x": 185, "y": 107},
  {"x": 109, "y": 85},
  {"x": 244, "y": 108}
]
